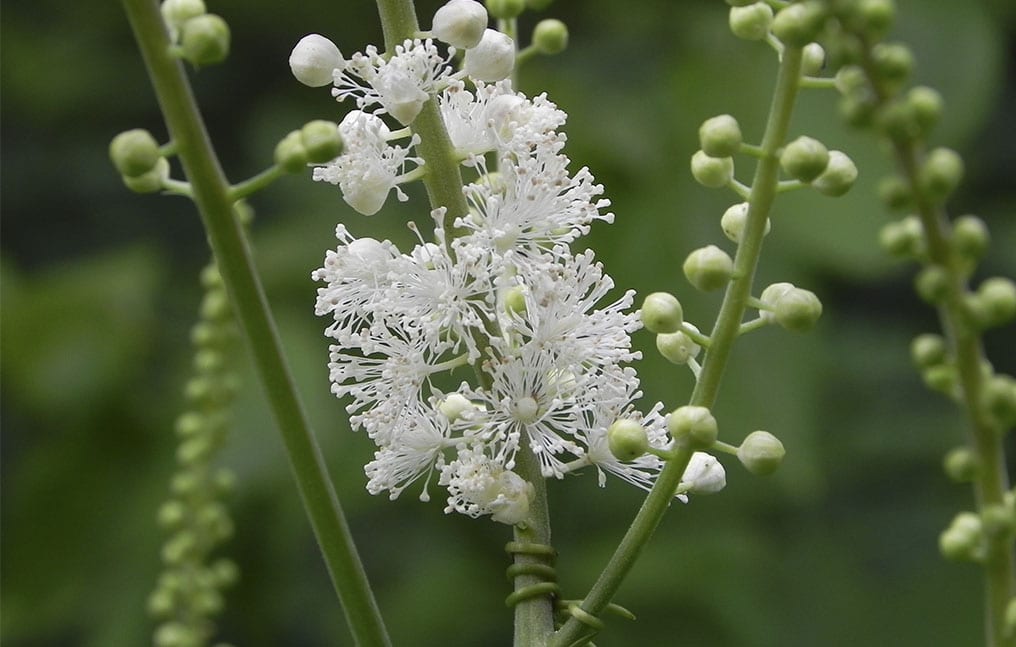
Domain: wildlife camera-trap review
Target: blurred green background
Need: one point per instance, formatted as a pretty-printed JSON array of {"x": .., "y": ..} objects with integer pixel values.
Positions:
[{"x": 99, "y": 288}]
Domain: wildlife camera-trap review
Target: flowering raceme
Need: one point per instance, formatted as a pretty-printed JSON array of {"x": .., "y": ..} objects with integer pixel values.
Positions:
[{"x": 502, "y": 292}]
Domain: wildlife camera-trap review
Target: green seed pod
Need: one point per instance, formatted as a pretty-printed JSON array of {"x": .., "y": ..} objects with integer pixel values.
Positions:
[
  {"x": 970, "y": 237},
  {"x": 150, "y": 182},
  {"x": 708, "y": 268},
  {"x": 838, "y": 176},
  {"x": 321, "y": 140},
  {"x": 694, "y": 425},
  {"x": 941, "y": 173},
  {"x": 761, "y": 453},
  {"x": 932, "y": 284},
  {"x": 677, "y": 347},
  {"x": 505, "y": 9},
  {"x": 290, "y": 154},
  {"x": 800, "y": 23},
  {"x": 720, "y": 136},
  {"x": 550, "y": 36},
  {"x": 960, "y": 465},
  {"x": 999, "y": 399},
  {"x": 751, "y": 21},
  {"x": 798, "y": 310},
  {"x": 928, "y": 350},
  {"x": 712, "y": 172},
  {"x": 661, "y": 313},
  {"x": 204, "y": 40},
  {"x": 627, "y": 439},
  {"x": 134, "y": 152},
  {"x": 804, "y": 158}
]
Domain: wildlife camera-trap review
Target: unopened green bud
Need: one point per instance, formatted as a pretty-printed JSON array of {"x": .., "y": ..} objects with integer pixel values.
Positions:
[
  {"x": 928, "y": 350},
  {"x": 190, "y": 424},
  {"x": 941, "y": 378},
  {"x": 898, "y": 121},
  {"x": 224, "y": 572},
  {"x": 962, "y": 539},
  {"x": 175, "y": 634},
  {"x": 207, "y": 602},
  {"x": 941, "y": 173},
  {"x": 799, "y": 24},
  {"x": 160, "y": 603},
  {"x": 194, "y": 450},
  {"x": 720, "y": 136},
  {"x": 134, "y": 152},
  {"x": 970, "y": 237},
  {"x": 151, "y": 181},
  {"x": 997, "y": 520},
  {"x": 224, "y": 480},
  {"x": 893, "y": 63},
  {"x": 171, "y": 514},
  {"x": 184, "y": 483},
  {"x": 838, "y": 176},
  {"x": 1010, "y": 619},
  {"x": 851, "y": 79},
  {"x": 751, "y": 21},
  {"x": 798, "y": 310},
  {"x": 321, "y": 140},
  {"x": 734, "y": 220},
  {"x": 694, "y": 425},
  {"x": 627, "y": 439},
  {"x": 290, "y": 154},
  {"x": 858, "y": 110},
  {"x": 712, "y": 172},
  {"x": 903, "y": 239},
  {"x": 895, "y": 193},
  {"x": 661, "y": 313},
  {"x": 204, "y": 40},
  {"x": 995, "y": 302},
  {"x": 179, "y": 546},
  {"x": 926, "y": 106},
  {"x": 932, "y": 284},
  {"x": 514, "y": 300},
  {"x": 813, "y": 59},
  {"x": 550, "y": 36},
  {"x": 804, "y": 158},
  {"x": 208, "y": 360},
  {"x": 708, "y": 268},
  {"x": 761, "y": 453},
  {"x": 999, "y": 399},
  {"x": 505, "y": 9},
  {"x": 960, "y": 465},
  {"x": 177, "y": 12},
  {"x": 876, "y": 16},
  {"x": 677, "y": 347}
]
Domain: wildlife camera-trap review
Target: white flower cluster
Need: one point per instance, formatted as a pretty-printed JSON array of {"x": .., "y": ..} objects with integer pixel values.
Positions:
[{"x": 502, "y": 299}]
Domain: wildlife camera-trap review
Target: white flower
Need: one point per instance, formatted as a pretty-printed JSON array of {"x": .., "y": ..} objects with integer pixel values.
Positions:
[
  {"x": 314, "y": 60},
  {"x": 704, "y": 475},
  {"x": 460, "y": 23},
  {"x": 492, "y": 59},
  {"x": 478, "y": 486},
  {"x": 415, "y": 451}
]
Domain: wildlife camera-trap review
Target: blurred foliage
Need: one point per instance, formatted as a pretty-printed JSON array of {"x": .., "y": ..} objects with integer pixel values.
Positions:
[{"x": 99, "y": 287}]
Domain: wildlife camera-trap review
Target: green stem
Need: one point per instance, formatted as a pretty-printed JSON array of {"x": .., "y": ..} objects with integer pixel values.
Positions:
[
  {"x": 723, "y": 336},
  {"x": 214, "y": 202}
]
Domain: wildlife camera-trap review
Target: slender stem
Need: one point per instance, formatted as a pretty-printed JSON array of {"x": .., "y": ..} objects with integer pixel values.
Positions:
[
  {"x": 723, "y": 336},
  {"x": 534, "y": 617},
  {"x": 212, "y": 196},
  {"x": 253, "y": 185}
]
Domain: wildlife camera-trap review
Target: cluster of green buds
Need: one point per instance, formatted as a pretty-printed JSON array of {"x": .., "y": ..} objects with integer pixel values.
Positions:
[
  {"x": 140, "y": 160},
  {"x": 188, "y": 594},
  {"x": 198, "y": 37},
  {"x": 317, "y": 142}
]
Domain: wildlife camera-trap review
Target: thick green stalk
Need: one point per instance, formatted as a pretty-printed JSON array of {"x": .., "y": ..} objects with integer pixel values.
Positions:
[
  {"x": 724, "y": 334},
  {"x": 214, "y": 202}
]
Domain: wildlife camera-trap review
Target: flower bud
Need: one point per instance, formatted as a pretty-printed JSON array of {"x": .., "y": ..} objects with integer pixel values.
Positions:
[
  {"x": 761, "y": 453},
  {"x": 704, "y": 475},
  {"x": 677, "y": 347},
  {"x": 799, "y": 24},
  {"x": 903, "y": 239},
  {"x": 314, "y": 59},
  {"x": 999, "y": 399},
  {"x": 995, "y": 302},
  {"x": 894, "y": 193},
  {"x": 712, "y": 172},
  {"x": 492, "y": 59},
  {"x": 171, "y": 514},
  {"x": 204, "y": 40},
  {"x": 550, "y": 36},
  {"x": 751, "y": 21},
  {"x": 925, "y": 106},
  {"x": 813, "y": 60},
  {"x": 893, "y": 63},
  {"x": 838, "y": 176},
  {"x": 941, "y": 378},
  {"x": 875, "y": 17},
  {"x": 851, "y": 79},
  {"x": 960, "y": 465},
  {"x": 941, "y": 173},
  {"x": 176, "y": 12},
  {"x": 962, "y": 539},
  {"x": 932, "y": 284},
  {"x": 151, "y": 181},
  {"x": 708, "y": 268},
  {"x": 804, "y": 158},
  {"x": 694, "y": 425},
  {"x": 290, "y": 154},
  {"x": 928, "y": 350},
  {"x": 460, "y": 23},
  {"x": 505, "y": 9},
  {"x": 720, "y": 136},
  {"x": 661, "y": 313},
  {"x": 321, "y": 141},
  {"x": 858, "y": 110},
  {"x": 627, "y": 439},
  {"x": 797, "y": 310},
  {"x": 970, "y": 237},
  {"x": 134, "y": 152},
  {"x": 734, "y": 220}
]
